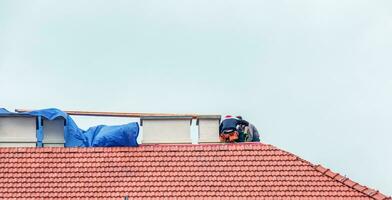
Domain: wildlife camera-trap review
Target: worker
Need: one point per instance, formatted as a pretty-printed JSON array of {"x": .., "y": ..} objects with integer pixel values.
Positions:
[
  {"x": 251, "y": 134},
  {"x": 229, "y": 129}
]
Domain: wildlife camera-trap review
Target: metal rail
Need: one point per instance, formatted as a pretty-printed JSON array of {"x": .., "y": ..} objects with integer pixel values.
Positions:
[{"x": 118, "y": 114}]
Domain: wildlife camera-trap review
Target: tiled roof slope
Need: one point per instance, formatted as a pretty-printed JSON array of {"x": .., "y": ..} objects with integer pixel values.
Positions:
[{"x": 215, "y": 171}]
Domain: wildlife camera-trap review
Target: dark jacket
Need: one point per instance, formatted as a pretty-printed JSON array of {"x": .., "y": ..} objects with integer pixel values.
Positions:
[
  {"x": 254, "y": 133},
  {"x": 231, "y": 124}
]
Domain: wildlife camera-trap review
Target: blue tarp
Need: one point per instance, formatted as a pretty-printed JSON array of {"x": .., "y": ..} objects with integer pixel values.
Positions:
[
  {"x": 3, "y": 111},
  {"x": 97, "y": 136}
]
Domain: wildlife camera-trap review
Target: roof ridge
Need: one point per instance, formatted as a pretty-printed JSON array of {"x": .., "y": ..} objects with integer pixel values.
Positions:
[
  {"x": 375, "y": 194},
  {"x": 291, "y": 154},
  {"x": 143, "y": 147}
]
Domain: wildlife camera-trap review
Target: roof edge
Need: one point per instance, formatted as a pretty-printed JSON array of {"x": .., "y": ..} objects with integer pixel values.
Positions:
[{"x": 375, "y": 194}]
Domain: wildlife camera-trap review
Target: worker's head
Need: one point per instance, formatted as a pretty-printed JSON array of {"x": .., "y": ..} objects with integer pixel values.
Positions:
[
  {"x": 229, "y": 137},
  {"x": 239, "y": 117}
]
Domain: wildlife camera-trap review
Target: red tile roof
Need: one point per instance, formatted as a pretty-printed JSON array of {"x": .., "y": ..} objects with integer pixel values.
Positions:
[{"x": 215, "y": 171}]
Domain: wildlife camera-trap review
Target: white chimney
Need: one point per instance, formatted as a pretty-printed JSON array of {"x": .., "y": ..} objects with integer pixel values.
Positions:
[
  {"x": 53, "y": 131},
  {"x": 166, "y": 129},
  {"x": 208, "y": 128},
  {"x": 18, "y": 131}
]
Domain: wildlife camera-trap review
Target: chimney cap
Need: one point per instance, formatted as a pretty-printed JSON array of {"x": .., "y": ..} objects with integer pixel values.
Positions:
[
  {"x": 165, "y": 118},
  {"x": 213, "y": 117}
]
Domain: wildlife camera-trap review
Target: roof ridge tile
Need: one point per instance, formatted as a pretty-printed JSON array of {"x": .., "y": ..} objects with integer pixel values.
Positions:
[
  {"x": 375, "y": 194},
  {"x": 337, "y": 177}
]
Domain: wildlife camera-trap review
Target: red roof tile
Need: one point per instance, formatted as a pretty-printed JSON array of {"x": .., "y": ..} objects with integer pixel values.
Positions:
[{"x": 215, "y": 171}]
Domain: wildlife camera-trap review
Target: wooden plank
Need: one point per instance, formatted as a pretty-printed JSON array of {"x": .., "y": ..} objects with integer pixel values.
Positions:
[{"x": 118, "y": 114}]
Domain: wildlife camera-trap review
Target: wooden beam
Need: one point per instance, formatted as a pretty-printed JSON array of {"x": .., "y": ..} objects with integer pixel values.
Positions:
[{"x": 118, "y": 114}]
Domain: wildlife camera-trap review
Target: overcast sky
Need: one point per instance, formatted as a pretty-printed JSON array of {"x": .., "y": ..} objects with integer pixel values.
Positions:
[{"x": 314, "y": 76}]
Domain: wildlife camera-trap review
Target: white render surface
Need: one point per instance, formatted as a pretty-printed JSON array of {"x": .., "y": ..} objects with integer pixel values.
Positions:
[
  {"x": 166, "y": 131},
  {"x": 18, "y": 129},
  {"x": 53, "y": 144},
  {"x": 53, "y": 131},
  {"x": 18, "y": 144},
  {"x": 208, "y": 130}
]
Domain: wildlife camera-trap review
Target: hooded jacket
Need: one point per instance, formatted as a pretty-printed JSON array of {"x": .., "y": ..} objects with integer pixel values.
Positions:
[{"x": 231, "y": 123}]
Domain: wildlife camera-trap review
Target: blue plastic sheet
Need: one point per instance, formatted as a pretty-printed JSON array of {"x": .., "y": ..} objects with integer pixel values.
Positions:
[
  {"x": 4, "y": 111},
  {"x": 97, "y": 136}
]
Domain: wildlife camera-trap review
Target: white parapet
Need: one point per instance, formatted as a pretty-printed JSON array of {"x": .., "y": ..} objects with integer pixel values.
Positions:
[
  {"x": 208, "y": 126},
  {"x": 53, "y": 131},
  {"x": 165, "y": 129},
  {"x": 18, "y": 131}
]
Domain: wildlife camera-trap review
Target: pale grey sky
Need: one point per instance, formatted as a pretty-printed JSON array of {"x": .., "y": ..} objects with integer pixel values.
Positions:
[{"x": 314, "y": 76}]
